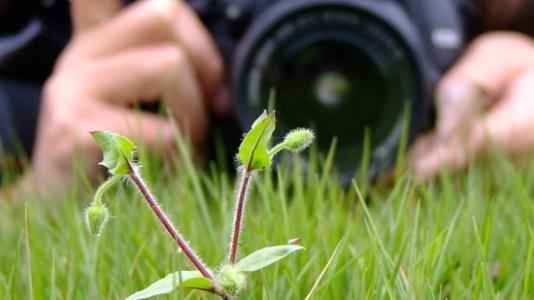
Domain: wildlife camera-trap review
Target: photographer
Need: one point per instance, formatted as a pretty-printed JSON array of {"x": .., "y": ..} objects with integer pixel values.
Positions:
[{"x": 156, "y": 49}]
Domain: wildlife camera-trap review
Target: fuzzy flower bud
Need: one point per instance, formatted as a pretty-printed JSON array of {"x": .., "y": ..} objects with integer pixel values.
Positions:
[
  {"x": 96, "y": 216},
  {"x": 298, "y": 139},
  {"x": 231, "y": 280}
]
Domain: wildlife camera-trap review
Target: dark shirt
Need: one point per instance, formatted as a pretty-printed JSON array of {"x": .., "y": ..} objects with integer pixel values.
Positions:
[{"x": 32, "y": 34}]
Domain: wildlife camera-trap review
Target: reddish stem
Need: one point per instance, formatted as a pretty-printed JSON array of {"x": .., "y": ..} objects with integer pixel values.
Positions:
[
  {"x": 188, "y": 251},
  {"x": 238, "y": 216}
]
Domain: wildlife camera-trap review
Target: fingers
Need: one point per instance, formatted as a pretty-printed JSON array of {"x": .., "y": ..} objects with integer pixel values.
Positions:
[
  {"x": 89, "y": 13},
  {"x": 458, "y": 104},
  {"x": 149, "y": 129},
  {"x": 183, "y": 96},
  {"x": 429, "y": 157},
  {"x": 505, "y": 128},
  {"x": 163, "y": 21},
  {"x": 139, "y": 24},
  {"x": 479, "y": 78},
  {"x": 488, "y": 62},
  {"x": 139, "y": 73},
  {"x": 431, "y": 154},
  {"x": 508, "y": 125},
  {"x": 202, "y": 51},
  {"x": 150, "y": 72}
]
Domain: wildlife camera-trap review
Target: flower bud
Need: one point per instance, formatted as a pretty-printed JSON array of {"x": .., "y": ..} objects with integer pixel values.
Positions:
[
  {"x": 96, "y": 216},
  {"x": 231, "y": 280},
  {"x": 298, "y": 139}
]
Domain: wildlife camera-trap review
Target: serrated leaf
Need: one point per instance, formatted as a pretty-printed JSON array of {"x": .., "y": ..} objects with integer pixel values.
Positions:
[
  {"x": 264, "y": 257},
  {"x": 183, "y": 279},
  {"x": 253, "y": 152},
  {"x": 117, "y": 151}
]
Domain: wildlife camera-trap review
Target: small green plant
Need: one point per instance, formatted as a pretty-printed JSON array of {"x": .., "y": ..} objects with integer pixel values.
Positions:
[{"x": 253, "y": 155}]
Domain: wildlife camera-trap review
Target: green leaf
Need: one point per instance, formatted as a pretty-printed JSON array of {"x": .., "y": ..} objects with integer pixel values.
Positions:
[
  {"x": 184, "y": 279},
  {"x": 117, "y": 150},
  {"x": 253, "y": 152},
  {"x": 264, "y": 257}
]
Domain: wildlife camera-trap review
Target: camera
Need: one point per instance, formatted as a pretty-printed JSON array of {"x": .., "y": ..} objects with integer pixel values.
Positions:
[{"x": 357, "y": 70}]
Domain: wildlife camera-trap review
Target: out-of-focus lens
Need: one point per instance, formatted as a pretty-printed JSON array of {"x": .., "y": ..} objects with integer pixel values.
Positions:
[
  {"x": 337, "y": 83},
  {"x": 342, "y": 72}
]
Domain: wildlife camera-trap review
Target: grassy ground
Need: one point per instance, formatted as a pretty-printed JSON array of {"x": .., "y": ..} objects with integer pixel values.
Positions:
[{"x": 470, "y": 236}]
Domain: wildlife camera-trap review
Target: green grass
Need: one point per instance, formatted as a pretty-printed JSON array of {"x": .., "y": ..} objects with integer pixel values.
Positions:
[{"x": 470, "y": 236}]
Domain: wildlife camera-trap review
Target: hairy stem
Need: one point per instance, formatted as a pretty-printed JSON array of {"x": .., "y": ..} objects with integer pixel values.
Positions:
[
  {"x": 238, "y": 214},
  {"x": 184, "y": 246},
  {"x": 106, "y": 186}
]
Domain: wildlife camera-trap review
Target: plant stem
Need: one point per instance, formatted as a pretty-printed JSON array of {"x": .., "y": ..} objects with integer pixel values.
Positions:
[
  {"x": 238, "y": 215},
  {"x": 217, "y": 291},
  {"x": 106, "y": 186},
  {"x": 184, "y": 246},
  {"x": 279, "y": 147}
]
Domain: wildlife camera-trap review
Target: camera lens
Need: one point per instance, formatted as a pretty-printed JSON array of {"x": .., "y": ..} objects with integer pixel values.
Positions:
[
  {"x": 339, "y": 69},
  {"x": 331, "y": 81}
]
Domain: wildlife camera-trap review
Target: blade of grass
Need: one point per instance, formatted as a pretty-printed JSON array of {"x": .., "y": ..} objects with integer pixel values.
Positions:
[
  {"x": 28, "y": 251},
  {"x": 323, "y": 271},
  {"x": 529, "y": 264},
  {"x": 52, "y": 287}
]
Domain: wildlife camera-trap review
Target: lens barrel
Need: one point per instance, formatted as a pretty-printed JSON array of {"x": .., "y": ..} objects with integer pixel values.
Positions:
[{"x": 349, "y": 69}]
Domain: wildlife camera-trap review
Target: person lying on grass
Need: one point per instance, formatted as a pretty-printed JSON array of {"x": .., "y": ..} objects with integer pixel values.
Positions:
[{"x": 156, "y": 49}]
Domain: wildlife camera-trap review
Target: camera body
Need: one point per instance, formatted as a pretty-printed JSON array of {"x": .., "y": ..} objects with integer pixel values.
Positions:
[{"x": 357, "y": 70}]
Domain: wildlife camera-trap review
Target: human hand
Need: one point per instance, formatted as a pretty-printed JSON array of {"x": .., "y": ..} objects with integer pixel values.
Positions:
[
  {"x": 150, "y": 50},
  {"x": 485, "y": 103}
]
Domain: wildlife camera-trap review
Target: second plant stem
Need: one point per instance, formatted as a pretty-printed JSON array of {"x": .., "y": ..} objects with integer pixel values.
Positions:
[
  {"x": 238, "y": 214},
  {"x": 184, "y": 246}
]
